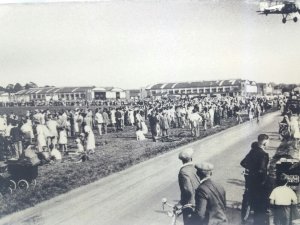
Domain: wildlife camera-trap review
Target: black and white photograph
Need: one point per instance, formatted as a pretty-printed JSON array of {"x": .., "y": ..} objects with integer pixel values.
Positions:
[{"x": 149, "y": 112}]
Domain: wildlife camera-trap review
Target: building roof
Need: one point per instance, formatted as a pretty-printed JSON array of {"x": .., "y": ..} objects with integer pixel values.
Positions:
[
  {"x": 52, "y": 90},
  {"x": 196, "y": 84}
]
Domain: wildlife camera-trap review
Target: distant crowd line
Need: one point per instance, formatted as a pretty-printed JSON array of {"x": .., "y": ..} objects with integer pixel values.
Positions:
[{"x": 51, "y": 130}]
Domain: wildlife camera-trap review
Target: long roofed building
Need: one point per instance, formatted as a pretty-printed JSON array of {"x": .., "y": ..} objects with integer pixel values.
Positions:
[
  {"x": 70, "y": 93},
  {"x": 233, "y": 87}
]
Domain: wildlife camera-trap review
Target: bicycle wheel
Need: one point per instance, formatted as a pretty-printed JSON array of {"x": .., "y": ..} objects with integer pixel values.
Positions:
[
  {"x": 23, "y": 184},
  {"x": 12, "y": 185}
]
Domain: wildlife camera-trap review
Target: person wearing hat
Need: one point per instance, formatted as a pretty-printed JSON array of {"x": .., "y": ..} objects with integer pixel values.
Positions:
[
  {"x": 188, "y": 183},
  {"x": 210, "y": 198},
  {"x": 256, "y": 163}
]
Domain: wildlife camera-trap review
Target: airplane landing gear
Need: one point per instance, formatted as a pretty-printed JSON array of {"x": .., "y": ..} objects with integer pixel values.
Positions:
[
  {"x": 284, "y": 20},
  {"x": 295, "y": 19}
]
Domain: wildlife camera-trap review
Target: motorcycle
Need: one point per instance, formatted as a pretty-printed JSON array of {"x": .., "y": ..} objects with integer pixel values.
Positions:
[{"x": 175, "y": 210}]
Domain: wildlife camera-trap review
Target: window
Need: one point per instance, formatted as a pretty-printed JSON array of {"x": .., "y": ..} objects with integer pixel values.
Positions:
[
  {"x": 62, "y": 96},
  {"x": 207, "y": 90},
  {"x": 201, "y": 90},
  {"x": 227, "y": 89},
  {"x": 220, "y": 89},
  {"x": 77, "y": 96},
  {"x": 214, "y": 90},
  {"x": 153, "y": 92},
  {"x": 182, "y": 91},
  {"x": 189, "y": 91},
  {"x": 82, "y": 95},
  {"x": 194, "y": 90},
  {"x": 38, "y": 96},
  {"x": 176, "y": 91}
]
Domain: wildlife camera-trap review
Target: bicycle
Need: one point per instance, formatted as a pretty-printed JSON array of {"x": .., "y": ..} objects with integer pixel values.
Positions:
[{"x": 176, "y": 210}]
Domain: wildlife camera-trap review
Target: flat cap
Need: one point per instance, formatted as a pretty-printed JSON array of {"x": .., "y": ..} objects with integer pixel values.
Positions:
[
  {"x": 186, "y": 153},
  {"x": 204, "y": 166}
]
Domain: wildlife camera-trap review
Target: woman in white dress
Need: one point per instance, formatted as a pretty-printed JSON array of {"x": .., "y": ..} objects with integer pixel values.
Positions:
[
  {"x": 41, "y": 136},
  {"x": 113, "y": 118},
  {"x": 131, "y": 117},
  {"x": 90, "y": 140},
  {"x": 63, "y": 139}
]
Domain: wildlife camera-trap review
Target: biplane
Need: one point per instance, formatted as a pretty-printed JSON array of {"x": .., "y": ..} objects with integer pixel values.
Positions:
[{"x": 288, "y": 9}]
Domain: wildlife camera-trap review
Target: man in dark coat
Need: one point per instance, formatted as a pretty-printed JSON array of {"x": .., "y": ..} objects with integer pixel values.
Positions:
[
  {"x": 16, "y": 138},
  {"x": 188, "y": 183},
  {"x": 256, "y": 162},
  {"x": 210, "y": 198},
  {"x": 153, "y": 122}
]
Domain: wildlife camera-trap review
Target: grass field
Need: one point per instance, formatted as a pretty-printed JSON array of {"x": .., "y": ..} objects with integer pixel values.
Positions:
[{"x": 114, "y": 152}]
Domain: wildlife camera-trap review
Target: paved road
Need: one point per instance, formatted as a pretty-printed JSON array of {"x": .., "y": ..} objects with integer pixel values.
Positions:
[{"x": 133, "y": 196}]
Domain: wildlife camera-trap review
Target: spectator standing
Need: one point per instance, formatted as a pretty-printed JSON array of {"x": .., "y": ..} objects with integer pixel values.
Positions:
[
  {"x": 118, "y": 116},
  {"x": 195, "y": 120},
  {"x": 27, "y": 130},
  {"x": 153, "y": 122},
  {"x": 105, "y": 120},
  {"x": 210, "y": 198},
  {"x": 211, "y": 113},
  {"x": 41, "y": 136},
  {"x": 99, "y": 121},
  {"x": 16, "y": 138},
  {"x": 256, "y": 162},
  {"x": 164, "y": 124},
  {"x": 131, "y": 117},
  {"x": 282, "y": 198},
  {"x": 188, "y": 183},
  {"x": 53, "y": 134},
  {"x": 113, "y": 118},
  {"x": 63, "y": 139},
  {"x": 90, "y": 139}
]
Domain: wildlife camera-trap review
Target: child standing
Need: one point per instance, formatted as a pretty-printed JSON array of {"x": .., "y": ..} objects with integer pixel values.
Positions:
[{"x": 63, "y": 139}]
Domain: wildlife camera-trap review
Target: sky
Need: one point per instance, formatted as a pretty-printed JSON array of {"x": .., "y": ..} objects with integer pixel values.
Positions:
[{"x": 136, "y": 43}]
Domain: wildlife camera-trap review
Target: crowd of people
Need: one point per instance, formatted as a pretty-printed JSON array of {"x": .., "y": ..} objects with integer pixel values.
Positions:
[
  {"x": 50, "y": 128},
  {"x": 204, "y": 199}
]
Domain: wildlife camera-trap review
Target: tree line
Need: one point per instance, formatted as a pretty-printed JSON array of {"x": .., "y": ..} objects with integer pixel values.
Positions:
[{"x": 13, "y": 88}]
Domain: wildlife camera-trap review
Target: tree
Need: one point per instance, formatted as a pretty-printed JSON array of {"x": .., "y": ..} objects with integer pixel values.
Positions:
[
  {"x": 2, "y": 88},
  {"x": 30, "y": 85},
  {"x": 18, "y": 87},
  {"x": 10, "y": 88}
]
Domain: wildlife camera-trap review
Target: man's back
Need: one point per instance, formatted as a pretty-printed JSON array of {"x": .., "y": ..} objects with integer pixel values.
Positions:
[
  {"x": 256, "y": 160},
  {"x": 188, "y": 183},
  {"x": 211, "y": 203}
]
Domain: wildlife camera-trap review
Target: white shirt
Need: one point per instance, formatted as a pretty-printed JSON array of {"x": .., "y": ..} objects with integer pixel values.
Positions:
[
  {"x": 99, "y": 117},
  {"x": 283, "y": 195},
  {"x": 195, "y": 117},
  {"x": 52, "y": 126}
]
